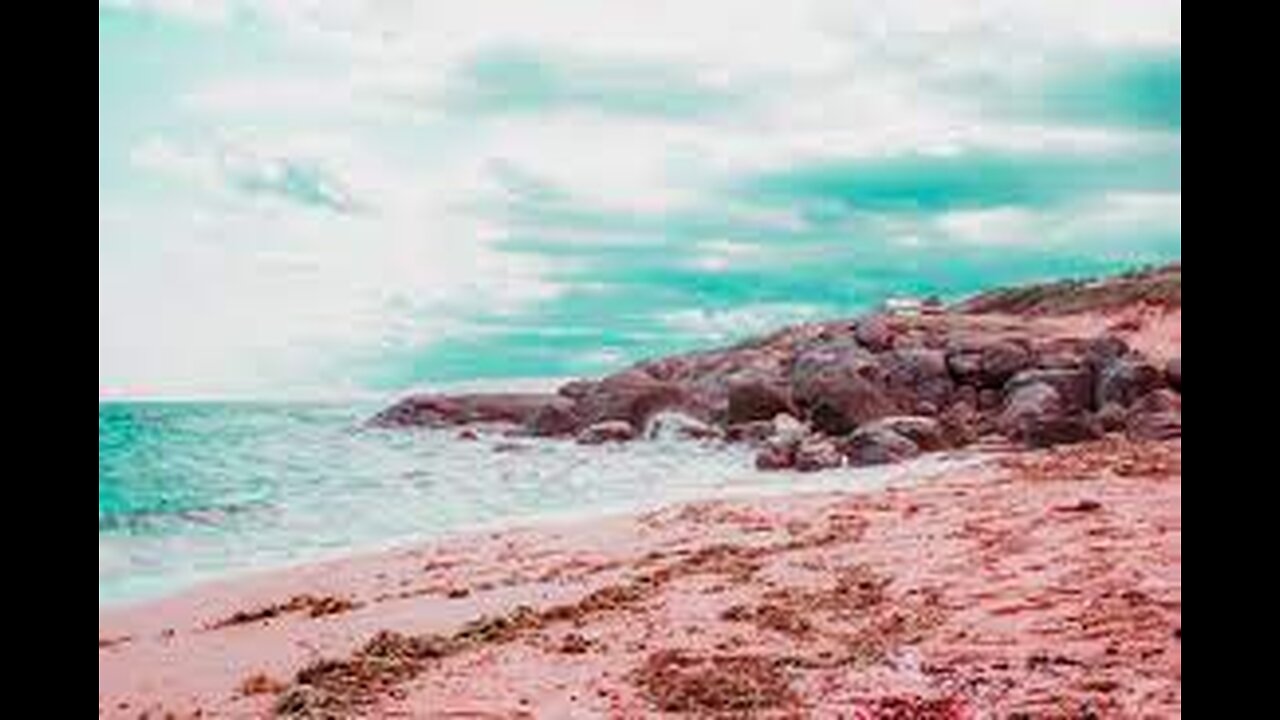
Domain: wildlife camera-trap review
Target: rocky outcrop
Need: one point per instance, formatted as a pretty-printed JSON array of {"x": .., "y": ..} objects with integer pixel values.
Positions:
[
  {"x": 872, "y": 390},
  {"x": 452, "y": 410},
  {"x": 632, "y": 397},
  {"x": 757, "y": 397}
]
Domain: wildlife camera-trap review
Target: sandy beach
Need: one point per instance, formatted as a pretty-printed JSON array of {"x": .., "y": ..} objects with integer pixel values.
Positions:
[
  {"x": 1045, "y": 583},
  {"x": 1015, "y": 582}
]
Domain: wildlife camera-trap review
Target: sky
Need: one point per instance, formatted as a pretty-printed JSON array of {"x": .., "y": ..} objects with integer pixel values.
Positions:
[{"x": 300, "y": 198}]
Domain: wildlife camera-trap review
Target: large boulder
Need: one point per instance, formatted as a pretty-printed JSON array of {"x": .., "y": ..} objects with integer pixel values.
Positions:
[
  {"x": 1027, "y": 402},
  {"x": 554, "y": 419},
  {"x": 1062, "y": 430},
  {"x": 1155, "y": 426},
  {"x": 1073, "y": 385},
  {"x": 1155, "y": 416},
  {"x": 848, "y": 402},
  {"x": 874, "y": 333},
  {"x": 1002, "y": 360},
  {"x": 1037, "y": 415},
  {"x": 757, "y": 397},
  {"x": 918, "y": 376},
  {"x": 631, "y": 397},
  {"x": 877, "y": 446},
  {"x": 1126, "y": 379},
  {"x": 925, "y": 432},
  {"x": 839, "y": 386},
  {"x": 450, "y": 410},
  {"x": 986, "y": 362}
]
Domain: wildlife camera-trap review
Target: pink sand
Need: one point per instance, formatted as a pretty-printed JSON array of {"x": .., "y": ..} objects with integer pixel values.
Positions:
[
  {"x": 1051, "y": 582},
  {"x": 1047, "y": 583}
]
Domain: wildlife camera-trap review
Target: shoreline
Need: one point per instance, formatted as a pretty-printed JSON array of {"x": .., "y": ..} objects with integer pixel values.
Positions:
[
  {"x": 875, "y": 478},
  {"x": 728, "y": 581},
  {"x": 1035, "y": 571}
]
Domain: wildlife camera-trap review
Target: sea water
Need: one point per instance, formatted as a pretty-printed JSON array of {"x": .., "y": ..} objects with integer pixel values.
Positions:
[{"x": 189, "y": 492}]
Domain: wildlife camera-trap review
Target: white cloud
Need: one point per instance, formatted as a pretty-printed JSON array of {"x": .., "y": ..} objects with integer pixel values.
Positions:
[
  {"x": 993, "y": 226},
  {"x": 719, "y": 326},
  {"x": 245, "y": 270}
]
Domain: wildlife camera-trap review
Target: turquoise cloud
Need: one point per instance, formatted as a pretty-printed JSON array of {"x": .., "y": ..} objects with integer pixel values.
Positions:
[{"x": 523, "y": 81}]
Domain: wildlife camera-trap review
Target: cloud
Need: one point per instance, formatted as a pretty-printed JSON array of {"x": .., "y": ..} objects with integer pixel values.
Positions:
[
  {"x": 355, "y": 194},
  {"x": 512, "y": 81}
]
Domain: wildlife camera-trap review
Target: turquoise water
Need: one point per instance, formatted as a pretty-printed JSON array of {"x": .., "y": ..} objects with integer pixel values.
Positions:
[{"x": 196, "y": 491}]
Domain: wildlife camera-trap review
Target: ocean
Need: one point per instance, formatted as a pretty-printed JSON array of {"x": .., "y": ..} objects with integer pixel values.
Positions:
[
  {"x": 190, "y": 492},
  {"x": 202, "y": 491}
]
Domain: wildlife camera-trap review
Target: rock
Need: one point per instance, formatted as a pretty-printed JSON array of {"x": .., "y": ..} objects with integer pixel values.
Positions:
[
  {"x": 1102, "y": 351},
  {"x": 1173, "y": 371},
  {"x": 1112, "y": 417},
  {"x": 630, "y": 396},
  {"x": 1154, "y": 426},
  {"x": 1062, "y": 430},
  {"x": 839, "y": 385},
  {"x": 986, "y": 363},
  {"x": 965, "y": 366},
  {"x": 918, "y": 375},
  {"x": 1002, "y": 360},
  {"x": 775, "y": 457},
  {"x": 607, "y": 431},
  {"x": 1036, "y": 415},
  {"x": 877, "y": 446},
  {"x": 1155, "y": 416},
  {"x": 817, "y": 454},
  {"x": 1027, "y": 404},
  {"x": 925, "y": 432},
  {"x": 1062, "y": 360},
  {"x": 554, "y": 419},
  {"x": 576, "y": 389},
  {"x": 447, "y": 410},
  {"x": 754, "y": 432},
  {"x": 758, "y": 398},
  {"x": 1074, "y": 385},
  {"x": 1157, "y": 401},
  {"x": 847, "y": 403},
  {"x": 1126, "y": 379},
  {"x": 874, "y": 333},
  {"x": 961, "y": 424},
  {"x": 989, "y": 399},
  {"x": 966, "y": 394},
  {"x": 678, "y": 426},
  {"x": 788, "y": 429}
]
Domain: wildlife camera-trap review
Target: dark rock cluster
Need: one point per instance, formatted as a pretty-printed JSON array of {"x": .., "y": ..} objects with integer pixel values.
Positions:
[{"x": 875, "y": 390}]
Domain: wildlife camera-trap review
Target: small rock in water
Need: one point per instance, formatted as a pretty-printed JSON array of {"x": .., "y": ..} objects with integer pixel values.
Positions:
[
  {"x": 607, "y": 431},
  {"x": 817, "y": 454},
  {"x": 878, "y": 446},
  {"x": 678, "y": 426}
]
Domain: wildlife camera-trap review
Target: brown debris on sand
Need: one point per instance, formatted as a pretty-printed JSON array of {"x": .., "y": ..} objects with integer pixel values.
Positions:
[
  {"x": 314, "y": 606},
  {"x": 687, "y": 682}
]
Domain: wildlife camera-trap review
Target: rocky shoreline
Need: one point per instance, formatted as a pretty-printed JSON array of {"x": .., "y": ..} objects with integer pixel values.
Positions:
[
  {"x": 879, "y": 388},
  {"x": 1027, "y": 582}
]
